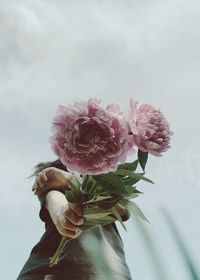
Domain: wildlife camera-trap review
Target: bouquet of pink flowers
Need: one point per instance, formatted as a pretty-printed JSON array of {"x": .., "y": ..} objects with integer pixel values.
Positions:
[{"x": 93, "y": 143}]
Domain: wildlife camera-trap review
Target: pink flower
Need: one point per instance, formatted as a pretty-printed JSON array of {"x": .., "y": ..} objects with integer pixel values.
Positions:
[
  {"x": 150, "y": 129},
  {"x": 89, "y": 139}
]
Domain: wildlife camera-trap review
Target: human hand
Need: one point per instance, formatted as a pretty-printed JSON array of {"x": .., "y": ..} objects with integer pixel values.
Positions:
[
  {"x": 67, "y": 217},
  {"x": 51, "y": 177},
  {"x": 123, "y": 212},
  {"x": 121, "y": 209}
]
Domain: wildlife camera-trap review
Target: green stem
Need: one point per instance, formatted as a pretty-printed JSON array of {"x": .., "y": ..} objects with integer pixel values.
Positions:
[{"x": 55, "y": 258}]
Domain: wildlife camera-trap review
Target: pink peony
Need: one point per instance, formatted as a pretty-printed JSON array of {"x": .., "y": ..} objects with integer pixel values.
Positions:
[
  {"x": 150, "y": 129},
  {"x": 89, "y": 139}
]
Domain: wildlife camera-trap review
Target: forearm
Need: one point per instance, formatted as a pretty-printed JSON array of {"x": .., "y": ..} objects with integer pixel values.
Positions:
[{"x": 55, "y": 201}]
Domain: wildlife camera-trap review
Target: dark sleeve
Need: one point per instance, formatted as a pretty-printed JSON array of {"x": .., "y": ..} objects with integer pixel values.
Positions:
[{"x": 44, "y": 213}]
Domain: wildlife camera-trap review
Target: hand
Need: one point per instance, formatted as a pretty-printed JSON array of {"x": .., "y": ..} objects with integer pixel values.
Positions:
[
  {"x": 121, "y": 210},
  {"x": 66, "y": 216},
  {"x": 51, "y": 177}
]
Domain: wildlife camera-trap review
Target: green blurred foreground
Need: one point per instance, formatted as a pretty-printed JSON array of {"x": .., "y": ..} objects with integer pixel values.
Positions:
[{"x": 154, "y": 256}]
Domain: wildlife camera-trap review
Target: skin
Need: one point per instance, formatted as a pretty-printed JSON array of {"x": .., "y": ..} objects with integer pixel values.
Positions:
[{"x": 66, "y": 216}]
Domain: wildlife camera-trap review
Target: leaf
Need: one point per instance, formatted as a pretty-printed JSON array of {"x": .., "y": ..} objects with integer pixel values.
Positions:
[
  {"x": 134, "y": 209},
  {"x": 78, "y": 197},
  {"x": 132, "y": 166},
  {"x": 109, "y": 203},
  {"x": 73, "y": 196},
  {"x": 96, "y": 199},
  {"x": 130, "y": 189},
  {"x": 100, "y": 221},
  {"x": 130, "y": 196},
  {"x": 85, "y": 182},
  {"x": 133, "y": 175},
  {"x": 78, "y": 179},
  {"x": 96, "y": 213},
  {"x": 74, "y": 184},
  {"x": 110, "y": 182},
  {"x": 86, "y": 227},
  {"x": 118, "y": 217},
  {"x": 129, "y": 181},
  {"x": 142, "y": 157},
  {"x": 94, "y": 210}
]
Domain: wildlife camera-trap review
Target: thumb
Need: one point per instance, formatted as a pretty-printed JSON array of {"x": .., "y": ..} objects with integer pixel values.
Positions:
[{"x": 70, "y": 176}]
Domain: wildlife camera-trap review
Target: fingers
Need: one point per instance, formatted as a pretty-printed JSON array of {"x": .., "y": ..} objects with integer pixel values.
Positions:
[
  {"x": 51, "y": 177},
  {"x": 69, "y": 224},
  {"x": 73, "y": 218},
  {"x": 63, "y": 177},
  {"x": 40, "y": 182},
  {"x": 66, "y": 228},
  {"x": 76, "y": 208},
  {"x": 41, "y": 179},
  {"x": 68, "y": 233},
  {"x": 67, "y": 175}
]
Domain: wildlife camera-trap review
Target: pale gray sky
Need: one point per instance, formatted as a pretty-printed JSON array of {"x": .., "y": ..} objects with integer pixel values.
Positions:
[{"x": 56, "y": 52}]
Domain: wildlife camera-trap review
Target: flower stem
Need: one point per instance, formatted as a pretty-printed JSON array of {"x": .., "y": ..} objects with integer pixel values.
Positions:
[{"x": 56, "y": 256}]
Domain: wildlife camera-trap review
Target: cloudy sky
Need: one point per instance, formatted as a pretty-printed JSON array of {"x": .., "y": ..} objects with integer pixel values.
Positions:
[{"x": 57, "y": 52}]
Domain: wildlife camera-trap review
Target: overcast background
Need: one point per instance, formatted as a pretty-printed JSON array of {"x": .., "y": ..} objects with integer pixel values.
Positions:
[{"x": 57, "y": 52}]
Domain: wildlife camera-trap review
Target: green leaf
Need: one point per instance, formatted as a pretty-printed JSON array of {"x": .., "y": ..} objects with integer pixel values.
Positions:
[
  {"x": 108, "y": 203},
  {"x": 77, "y": 197},
  {"x": 96, "y": 213},
  {"x": 134, "y": 209},
  {"x": 130, "y": 189},
  {"x": 100, "y": 221},
  {"x": 85, "y": 182},
  {"x": 96, "y": 199},
  {"x": 110, "y": 182},
  {"x": 142, "y": 157},
  {"x": 132, "y": 166},
  {"x": 94, "y": 187},
  {"x": 130, "y": 196},
  {"x": 94, "y": 210},
  {"x": 137, "y": 176},
  {"x": 129, "y": 181},
  {"x": 73, "y": 196},
  {"x": 118, "y": 217},
  {"x": 74, "y": 184},
  {"x": 86, "y": 227}
]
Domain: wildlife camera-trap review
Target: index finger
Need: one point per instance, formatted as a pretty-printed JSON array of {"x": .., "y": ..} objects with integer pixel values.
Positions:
[{"x": 76, "y": 208}]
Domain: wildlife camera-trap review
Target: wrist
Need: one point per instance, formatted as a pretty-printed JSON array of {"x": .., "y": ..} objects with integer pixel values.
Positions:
[
  {"x": 55, "y": 200},
  {"x": 55, "y": 203}
]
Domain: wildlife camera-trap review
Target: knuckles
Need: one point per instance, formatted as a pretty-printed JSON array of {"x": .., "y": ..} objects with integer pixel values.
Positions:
[
  {"x": 72, "y": 232},
  {"x": 76, "y": 220}
]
